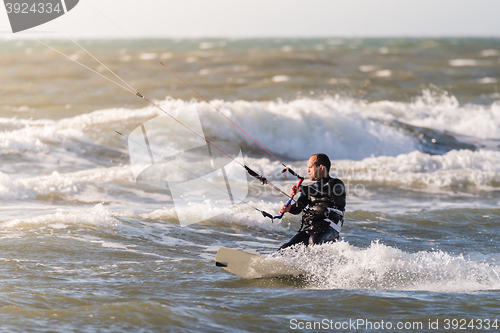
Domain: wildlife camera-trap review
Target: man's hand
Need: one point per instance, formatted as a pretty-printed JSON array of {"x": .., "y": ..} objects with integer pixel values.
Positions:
[
  {"x": 284, "y": 209},
  {"x": 293, "y": 191}
]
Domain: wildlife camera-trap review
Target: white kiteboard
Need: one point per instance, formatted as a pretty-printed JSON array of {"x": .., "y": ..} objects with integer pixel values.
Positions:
[{"x": 251, "y": 266}]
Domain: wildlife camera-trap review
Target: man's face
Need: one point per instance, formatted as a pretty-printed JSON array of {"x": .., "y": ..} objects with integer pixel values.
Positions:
[{"x": 313, "y": 171}]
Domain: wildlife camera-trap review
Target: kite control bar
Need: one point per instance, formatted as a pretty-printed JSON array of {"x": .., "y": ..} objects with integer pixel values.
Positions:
[
  {"x": 301, "y": 179},
  {"x": 289, "y": 200}
]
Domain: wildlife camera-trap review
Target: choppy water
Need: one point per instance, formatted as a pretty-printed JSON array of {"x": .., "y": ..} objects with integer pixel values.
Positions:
[{"x": 411, "y": 125}]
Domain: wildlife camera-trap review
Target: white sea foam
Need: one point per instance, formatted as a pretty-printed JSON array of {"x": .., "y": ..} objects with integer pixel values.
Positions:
[
  {"x": 490, "y": 53},
  {"x": 280, "y": 78},
  {"x": 147, "y": 56},
  {"x": 383, "y": 50},
  {"x": 97, "y": 216},
  {"x": 487, "y": 80},
  {"x": 206, "y": 45},
  {"x": 60, "y": 183},
  {"x": 33, "y": 135},
  {"x": 58, "y": 144},
  {"x": 166, "y": 55},
  {"x": 343, "y": 128},
  {"x": 10, "y": 189},
  {"x": 383, "y": 73},
  {"x": 335, "y": 126},
  {"x": 344, "y": 266},
  {"x": 463, "y": 62},
  {"x": 241, "y": 214},
  {"x": 442, "y": 112},
  {"x": 455, "y": 168},
  {"x": 367, "y": 68},
  {"x": 204, "y": 71},
  {"x": 69, "y": 182}
]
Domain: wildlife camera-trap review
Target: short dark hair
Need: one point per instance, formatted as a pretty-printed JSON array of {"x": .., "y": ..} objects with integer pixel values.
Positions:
[{"x": 322, "y": 159}]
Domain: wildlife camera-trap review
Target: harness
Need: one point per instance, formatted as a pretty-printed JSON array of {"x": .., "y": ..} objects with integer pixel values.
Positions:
[
  {"x": 322, "y": 212},
  {"x": 336, "y": 222},
  {"x": 339, "y": 223}
]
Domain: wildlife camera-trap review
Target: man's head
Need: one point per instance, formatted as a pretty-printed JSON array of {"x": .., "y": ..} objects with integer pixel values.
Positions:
[{"x": 318, "y": 166}]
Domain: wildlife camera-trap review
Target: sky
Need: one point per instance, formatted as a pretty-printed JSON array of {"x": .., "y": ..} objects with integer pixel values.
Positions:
[{"x": 270, "y": 18}]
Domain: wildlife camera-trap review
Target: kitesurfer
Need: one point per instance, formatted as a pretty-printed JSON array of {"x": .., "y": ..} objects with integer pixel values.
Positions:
[{"x": 322, "y": 204}]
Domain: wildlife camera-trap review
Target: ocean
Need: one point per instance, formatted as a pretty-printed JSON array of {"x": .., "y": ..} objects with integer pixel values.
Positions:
[{"x": 93, "y": 243}]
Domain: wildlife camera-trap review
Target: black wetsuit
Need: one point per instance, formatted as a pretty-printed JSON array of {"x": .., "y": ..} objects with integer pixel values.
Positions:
[{"x": 323, "y": 204}]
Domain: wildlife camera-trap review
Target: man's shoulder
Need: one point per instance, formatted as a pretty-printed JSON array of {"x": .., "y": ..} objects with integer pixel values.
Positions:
[{"x": 335, "y": 181}]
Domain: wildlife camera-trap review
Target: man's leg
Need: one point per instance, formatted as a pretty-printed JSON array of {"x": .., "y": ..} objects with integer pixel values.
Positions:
[
  {"x": 300, "y": 238},
  {"x": 329, "y": 235}
]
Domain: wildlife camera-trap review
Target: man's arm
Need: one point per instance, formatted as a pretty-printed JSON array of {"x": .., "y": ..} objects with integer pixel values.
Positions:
[
  {"x": 338, "y": 192},
  {"x": 298, "y": 206}
]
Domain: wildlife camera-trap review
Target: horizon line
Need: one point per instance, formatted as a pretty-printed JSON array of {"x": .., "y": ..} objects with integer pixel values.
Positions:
[{"x": 6, "y": 35}]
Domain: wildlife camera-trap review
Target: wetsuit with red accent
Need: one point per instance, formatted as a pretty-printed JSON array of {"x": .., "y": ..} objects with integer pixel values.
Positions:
[{"x": 323, "y": 204}]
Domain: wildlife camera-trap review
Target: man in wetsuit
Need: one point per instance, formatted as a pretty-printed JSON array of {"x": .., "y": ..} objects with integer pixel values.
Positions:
[{"x": 323, "y": 204}]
